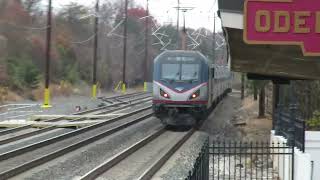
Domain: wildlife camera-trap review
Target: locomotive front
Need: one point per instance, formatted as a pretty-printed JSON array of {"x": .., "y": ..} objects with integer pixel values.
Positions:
[{"x": 180, "y": 85}]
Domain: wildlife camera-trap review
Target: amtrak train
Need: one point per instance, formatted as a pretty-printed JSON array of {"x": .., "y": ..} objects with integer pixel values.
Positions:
[{"x": 187, "y": 83}]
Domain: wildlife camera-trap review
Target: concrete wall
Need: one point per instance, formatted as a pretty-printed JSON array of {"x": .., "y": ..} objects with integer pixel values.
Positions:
[
  {"x": 313, "y": 148},
  {"x": 302, "y": 162}
]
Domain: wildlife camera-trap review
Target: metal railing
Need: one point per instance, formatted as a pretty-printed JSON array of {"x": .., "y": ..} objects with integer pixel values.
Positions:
[
  {"x": 291, "y": 126},
  {"x": 200, "y": 170},
  {"x": 244, "y": 160}
]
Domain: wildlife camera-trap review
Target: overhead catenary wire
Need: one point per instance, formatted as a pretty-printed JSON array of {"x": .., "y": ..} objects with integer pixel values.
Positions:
[{"x": 84, "y": 41}]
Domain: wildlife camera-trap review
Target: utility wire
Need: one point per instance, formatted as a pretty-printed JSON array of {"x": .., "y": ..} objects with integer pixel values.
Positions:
[{"x": 85, "y": 41}]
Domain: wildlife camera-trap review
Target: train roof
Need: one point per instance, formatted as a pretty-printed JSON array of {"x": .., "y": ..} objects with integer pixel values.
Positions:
[{"x": 197, "y": 54}]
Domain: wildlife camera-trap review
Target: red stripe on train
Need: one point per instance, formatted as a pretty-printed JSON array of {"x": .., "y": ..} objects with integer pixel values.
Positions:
[{"x": 180, "y": 92}]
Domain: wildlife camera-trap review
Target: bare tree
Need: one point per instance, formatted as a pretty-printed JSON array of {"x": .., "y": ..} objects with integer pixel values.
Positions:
[{"x": 31, "y": 5}]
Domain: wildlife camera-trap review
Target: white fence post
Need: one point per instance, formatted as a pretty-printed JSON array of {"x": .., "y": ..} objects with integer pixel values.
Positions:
[{"x": 302, "y": 162}]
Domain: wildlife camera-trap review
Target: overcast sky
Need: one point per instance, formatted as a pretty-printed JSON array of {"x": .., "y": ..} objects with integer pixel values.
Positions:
[{"x": 164, "y": 11}]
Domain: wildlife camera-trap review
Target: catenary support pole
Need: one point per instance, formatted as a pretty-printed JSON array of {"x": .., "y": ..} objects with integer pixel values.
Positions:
[
  {"x": 46, "y": 103},
  {"x": 214, "y": 38},
  {"x": 125, "y": 37},
  {"x": 184, "y": 32},
  {"x": 95, "y": 51},
  {"x": 146, "y": 55}
]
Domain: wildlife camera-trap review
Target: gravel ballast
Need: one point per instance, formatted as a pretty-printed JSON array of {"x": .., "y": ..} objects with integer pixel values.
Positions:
[
  {"x": 178, "y": 166},
  {"x": 78, "y": 163}
]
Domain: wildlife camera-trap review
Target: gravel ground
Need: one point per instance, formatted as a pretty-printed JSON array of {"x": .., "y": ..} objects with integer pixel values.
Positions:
[
  {"x": 60, "y": 105},
  {"x": 49, "y": 134},
  {"x": 245, "y": 168},
  {"x": 219, "y": 125},
  {"x": 10, "y": 163},
  {"x": 178, "y": 166},
  {"x": 76, "y": 164}
]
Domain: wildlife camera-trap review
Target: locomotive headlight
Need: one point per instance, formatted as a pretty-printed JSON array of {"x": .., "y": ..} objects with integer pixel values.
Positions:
[
  {"x": 195, "y": 95},
  {"x": 164, "y": 94}
]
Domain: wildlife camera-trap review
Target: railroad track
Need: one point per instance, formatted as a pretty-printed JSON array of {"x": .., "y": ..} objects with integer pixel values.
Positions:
[
  {"x": 27, "y": 131},
  {"x": 131, "y": 157},
  {"x": 155, "y": 146},
  {"x": 120, "y": 98},
  {"x": 49, "y": 132},
  {"x": 11, "y": 130},
  {"x": 22, "y": 159}
]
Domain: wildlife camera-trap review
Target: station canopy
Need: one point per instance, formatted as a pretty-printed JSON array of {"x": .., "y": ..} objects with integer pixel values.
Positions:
[{"x": 264, "y": 61}]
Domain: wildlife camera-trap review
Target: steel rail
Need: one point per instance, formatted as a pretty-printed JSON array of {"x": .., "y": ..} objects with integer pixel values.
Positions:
[
  {"x": 8, "y": 131},
  {"x": 120, "y": 156},
  {"x": 156, "y": 166},
  {"x": 41, "y": 160},
  {"x": 104, "y": 167},
  {"x": 101, "y": 108},
  {"x": 128, "y": 104},
  {"x": 122, "y": 96},
  {"x": 26, "y": 135},
  {"x": 125, "y": 97},
  {"x": 44, "y": 130},
  {"x": 61, "y": 137},
  {"x": 12, "y": 130}
]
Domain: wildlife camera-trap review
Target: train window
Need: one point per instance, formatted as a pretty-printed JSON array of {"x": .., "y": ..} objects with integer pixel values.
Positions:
[
  {"x": 190, "y": 72},
  {"x": 170, "y": 71},
  {"x": 180, "y": 72}
]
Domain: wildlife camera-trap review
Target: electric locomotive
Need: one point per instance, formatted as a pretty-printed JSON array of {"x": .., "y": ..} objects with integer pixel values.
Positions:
[{"x": 187, "y": 83}]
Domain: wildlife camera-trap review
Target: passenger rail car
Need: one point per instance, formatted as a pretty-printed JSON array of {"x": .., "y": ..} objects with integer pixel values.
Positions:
[{"x": 186, "y": 82}]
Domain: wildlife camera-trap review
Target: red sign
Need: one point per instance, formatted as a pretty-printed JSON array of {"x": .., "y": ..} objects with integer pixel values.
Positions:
[{"x": 283, "y": 22}]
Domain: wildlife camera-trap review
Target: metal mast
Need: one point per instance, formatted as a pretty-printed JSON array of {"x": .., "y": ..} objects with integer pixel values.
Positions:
[
  {"x": 125, "y": 32},
  {"x": 95, "y": 51},
  {"x": 146, "y": 47},
  {"x": 46, "y": 103}
]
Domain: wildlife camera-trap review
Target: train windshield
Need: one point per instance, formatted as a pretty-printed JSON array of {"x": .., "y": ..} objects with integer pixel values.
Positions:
[{"x": 180, "y": 69}]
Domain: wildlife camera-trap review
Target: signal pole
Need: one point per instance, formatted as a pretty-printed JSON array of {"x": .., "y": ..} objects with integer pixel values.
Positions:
[
  {"x": 146, "y": 49},
  {"x": 46, "y": 103},
  {"x": 95, "y": 52},
  {"x": 214, "y": 38},
  {"x": 125, "y": 32},
  {"x": 184, "y": 32}
]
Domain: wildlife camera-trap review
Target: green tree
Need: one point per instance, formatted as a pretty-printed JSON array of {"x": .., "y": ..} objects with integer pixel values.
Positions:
[{"x": 23, "y": 73}]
